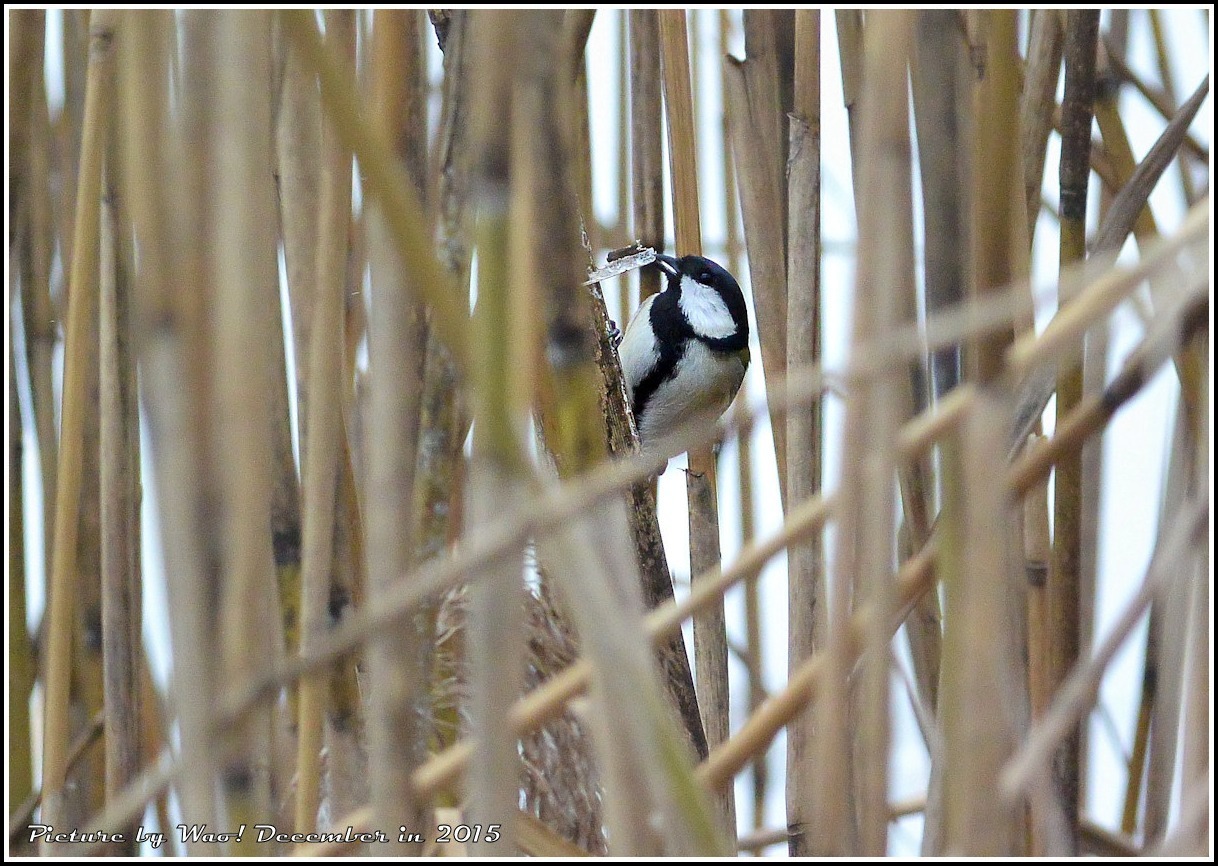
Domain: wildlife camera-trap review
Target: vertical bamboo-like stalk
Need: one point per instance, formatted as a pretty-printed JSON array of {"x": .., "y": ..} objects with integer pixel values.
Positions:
[
  {"x": 161, "y": 329},
  {"x": 647, "y": 179},
  {"x": 710, "y": 629},
  {"x": 1037, "y": 547},
  {"x": 83, "y": 283},
  {"x": 320, "y": 472},
  {"x": 751, "y": 101},
  {"x": 885, "y": 268},
  {"x": 121, "y": 597},
  {"x": 805, "y": 587},
  {"x": 980, "y": 668},
  {"x": 496, "y": 604},
  {"x": 244, "y": 268},
  {"x": 940, "y": 78},
  {"x": 995, "y": 175},
  {"x": 1080, "y": 44},
  {"x": 399, "y": 680},
  {"x": 625, "y": 301}
]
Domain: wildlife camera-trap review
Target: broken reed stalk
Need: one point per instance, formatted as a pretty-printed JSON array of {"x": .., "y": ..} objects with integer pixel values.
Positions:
[
  {"x": 83, "y": 288},
  {"x": 399, "y": 678},
  {"x": 805, "y": 583},
  {"x": 320, "y": 465},
  {"x": 710, "y": 631},
  {"x": 121, "y": 596},
  {"x": 243, "y": 214},
  {"x": 1079, "y": 51},
  {"x": 1037, "y": 103}
]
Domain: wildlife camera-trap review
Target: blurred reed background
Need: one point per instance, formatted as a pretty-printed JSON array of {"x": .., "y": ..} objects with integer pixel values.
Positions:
[{"x": 230, "y": 229}]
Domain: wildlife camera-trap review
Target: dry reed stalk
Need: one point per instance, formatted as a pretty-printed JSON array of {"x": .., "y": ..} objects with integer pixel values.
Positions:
[
  {"x": 1077, "y": 693},
  {"x": 20, "y": 647},
  {"x": 943, "y": 112},
  {"x": 83, "y": 283},
  {"x": 995, "y": 171},
  {"x": 298, "y": 169},
  {"x": 1037, "y": 102},
  {"x": 496, "y": 611},
  {"x": 243, "y": 263},
  {"x": 866, "y": 527},
  {"x": 744, "y": 450},
  {"x": 1115, "y": 55},
  {"x": 647, "y": 178},
  {"x": 981, "y": 641},
  {"x": 385, "y": 182},
  {"x": 914, "y": 578},
  {"x": 1063, "y": 586},
  {"x": 1128, "y": 205},
  {"x": 849, "y": 24},
  {"x": 162, "y": 335},
  {"x": 1163, "y": 55},
  {"x": 121, "y": 597},
  {"x": 940, "y": 77},
  {"x": 398, "y": 679},
  {"x": 298, "y": 129},
  {"x": 710, "y": 631},
  {"x": 622, "y": 228},
  {"x": 805, "y": 582},
  {"x": 751, "y": 103},
  {"x": 1099, "y": 297},
  {"x": 320, "y": 465},
  {"x": 442, "y": 423},
  {"x": 38, "y": 311},
  {"x": 1037, "y": 547}
]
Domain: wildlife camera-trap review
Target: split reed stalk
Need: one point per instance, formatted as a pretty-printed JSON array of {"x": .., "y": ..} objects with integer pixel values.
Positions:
[
  {"x": 710, "y": 630},
  {"x": 121, "y": 595},
  {"x": 83, "y": 283}
]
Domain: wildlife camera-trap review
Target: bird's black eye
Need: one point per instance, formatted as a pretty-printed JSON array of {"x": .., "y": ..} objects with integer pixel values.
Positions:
[{"x": 704, "y": 277}]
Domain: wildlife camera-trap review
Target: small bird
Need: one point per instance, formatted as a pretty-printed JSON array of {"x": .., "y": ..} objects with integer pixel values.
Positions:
[{"x": 685, "y": 350}]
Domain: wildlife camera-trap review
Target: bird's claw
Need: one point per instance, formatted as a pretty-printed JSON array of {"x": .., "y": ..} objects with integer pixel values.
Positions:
[{"x": 615, "y": 335}]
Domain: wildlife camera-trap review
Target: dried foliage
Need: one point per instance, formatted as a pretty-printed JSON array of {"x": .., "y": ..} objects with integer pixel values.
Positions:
[{"x": 242, "y": 313}]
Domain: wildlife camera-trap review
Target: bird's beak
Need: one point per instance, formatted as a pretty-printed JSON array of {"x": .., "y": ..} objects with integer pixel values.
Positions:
[{"x": 667, "y": 264}]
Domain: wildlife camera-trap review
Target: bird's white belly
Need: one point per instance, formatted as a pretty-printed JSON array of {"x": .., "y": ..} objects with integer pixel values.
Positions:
[{"x": 704, "y": 384}]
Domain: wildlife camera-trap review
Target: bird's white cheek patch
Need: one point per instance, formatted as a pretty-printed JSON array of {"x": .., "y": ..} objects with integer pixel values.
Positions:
[{"x": 705, "y": 310}]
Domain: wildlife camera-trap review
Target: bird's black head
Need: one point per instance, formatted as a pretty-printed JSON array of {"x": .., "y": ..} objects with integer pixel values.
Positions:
[{"x": 703, "y": 272}]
